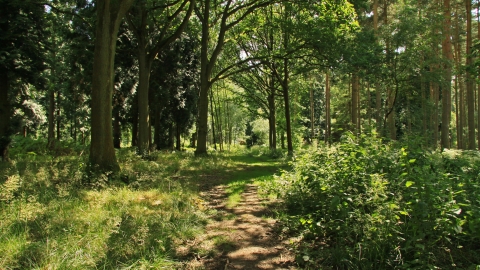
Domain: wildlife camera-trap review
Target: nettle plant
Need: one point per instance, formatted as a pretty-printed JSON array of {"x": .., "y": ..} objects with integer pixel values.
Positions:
[{"x": 363, "y": 204}]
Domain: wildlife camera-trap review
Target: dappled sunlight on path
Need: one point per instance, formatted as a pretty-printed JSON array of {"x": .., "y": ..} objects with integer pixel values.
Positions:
[{"x": 240, "y": 237}]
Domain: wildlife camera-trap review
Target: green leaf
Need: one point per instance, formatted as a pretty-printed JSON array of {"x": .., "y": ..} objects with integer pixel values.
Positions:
[
  {"x": 409, "y": 183},
  {"x": 412, "y": 160}
]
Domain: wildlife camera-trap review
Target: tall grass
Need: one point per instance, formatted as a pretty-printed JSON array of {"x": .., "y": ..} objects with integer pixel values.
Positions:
[{"x": 55, "y": 216}]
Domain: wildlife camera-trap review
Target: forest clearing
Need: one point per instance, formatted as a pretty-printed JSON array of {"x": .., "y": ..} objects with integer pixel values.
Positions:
[{"x": 240, "y": 134}]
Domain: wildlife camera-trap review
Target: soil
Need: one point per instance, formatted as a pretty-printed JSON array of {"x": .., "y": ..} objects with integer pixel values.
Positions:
[{"x": 245, "y": 236}]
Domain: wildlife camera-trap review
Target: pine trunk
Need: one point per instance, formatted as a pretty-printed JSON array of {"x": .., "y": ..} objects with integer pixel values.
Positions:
[
  {"x": 470, "y": 91},
  {"x": 446, "y": 89}
]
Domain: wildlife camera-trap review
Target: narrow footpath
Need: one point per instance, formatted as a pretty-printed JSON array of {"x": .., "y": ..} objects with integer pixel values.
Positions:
[{"x": 244, "y": 236}]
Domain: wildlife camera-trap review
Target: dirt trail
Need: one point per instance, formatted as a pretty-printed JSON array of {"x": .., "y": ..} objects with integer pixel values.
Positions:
[{"x": 241, "y": 237}]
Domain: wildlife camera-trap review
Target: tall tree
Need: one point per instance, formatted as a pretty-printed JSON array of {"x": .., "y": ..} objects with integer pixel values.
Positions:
[
  {"x": 446, "y": 89},
  {"x": 22, "y": 39},
  {"x": 109, "y": 16},
  {"x": 155, "y": 26},
  {"x": 224, "y": 16},
  {"x": 470, "y": 79}
]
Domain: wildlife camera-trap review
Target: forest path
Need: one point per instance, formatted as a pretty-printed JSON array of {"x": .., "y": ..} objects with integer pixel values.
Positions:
[{"x": 242, "y": 234}]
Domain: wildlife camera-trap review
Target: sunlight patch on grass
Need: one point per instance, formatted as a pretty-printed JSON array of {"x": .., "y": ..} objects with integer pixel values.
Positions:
[{"x": 53, "y": 215}]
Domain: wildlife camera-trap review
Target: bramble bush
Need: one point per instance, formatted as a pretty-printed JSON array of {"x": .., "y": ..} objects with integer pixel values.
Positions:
[{"x": 364, "y": 204}]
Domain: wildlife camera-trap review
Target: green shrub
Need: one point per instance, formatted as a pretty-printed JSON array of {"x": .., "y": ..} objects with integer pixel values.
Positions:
[{"x": 362, "y": 204}]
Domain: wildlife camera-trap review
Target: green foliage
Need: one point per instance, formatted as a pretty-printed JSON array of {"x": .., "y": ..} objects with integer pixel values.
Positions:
[
  {"x": 51, "y": 219},
  {"x": 364, "y": 205}
]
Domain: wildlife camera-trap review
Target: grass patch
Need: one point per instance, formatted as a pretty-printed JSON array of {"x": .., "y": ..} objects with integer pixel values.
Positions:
[
  {"x": 50, "y": 218},
  {"x": 54, "y": 215}
]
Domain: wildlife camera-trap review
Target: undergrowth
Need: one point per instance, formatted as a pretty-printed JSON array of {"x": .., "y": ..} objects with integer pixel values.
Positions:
[
  {"x": 52, "y": 217},
  {"x": 364, "y": 204}
]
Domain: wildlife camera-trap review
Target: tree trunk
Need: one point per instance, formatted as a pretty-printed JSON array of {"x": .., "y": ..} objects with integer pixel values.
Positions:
[
  {"x": 204, "y": 84},
  {"x": 51, "y": 107},
  {"x": 51, "y": 118},
  {"x": 171, "y": 136},
  {"x": 285, "y": 86},
  {"x": 457, "y": 119},
  {"x": 286, "y": 99},
  {"x": 470, "y": 91},
  {"x": 218, "y": 115},
  {"x": 272, "y": 117},
  {"x": 354, "y": 112},
  {"x": 446, "y": 89},
  {"x": 5, "y": 114},
  {"x": 214, "y": 137},
  {"x": 178, "y": 143},
  {"x": 328, "y": 129},
  {"x": 134, "y": 112},
  {"x": 117, "y": 132},
  {"x": 156, "y": 131},
  {"x": 369, "y": 106},
  {"x": 391, "y": 118},
  {"x": 312, "y": 116},
  {"x": 109, "y": 16},
  {"x": 143, "y": 106},
  {"x": 229, "y": 124},
  {"x": 478, "y": 84},
  {"x": 59, "y": 131},
  {"x": 459, "y": 113},
  {"x": 378, "y": 92}
]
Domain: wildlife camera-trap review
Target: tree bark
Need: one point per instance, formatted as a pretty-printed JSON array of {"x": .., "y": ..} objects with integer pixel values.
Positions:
[
  {"x": 5, "y": 114},
  {"x": 144, "y": 66},
  {"x": 354, "y": 112},
  {"x": 378, "y": 91},
  {"x": 478, "y": 84},
  {"x": 204, "y": 83},
  {"x": 219, "y": 120},
  {"x": 178, "y": 142},
  {"x": 286, "y": 99},
  {"x": 328, "y": 129},
  {"x": 147, "y": 51},
  {"x": 272, "y": 115},
  {"x": 134, "y": 112},
  {"x": 58, "y": 118},
  {"x": 459, "y": 100},
  {"x": 117, "y": 132},
  {"x": 109, "y": 15},
  {"x": 312, "y": 116},
  {"x": 470, "y": 91},
  {"x": 214, "y": 136},
  {"x": 51, "y": 119},
  {"x": 391, "y": 118},
  {"x": 207, "y": 62},
  {"x": 446, "y": 89},
  {"x": 51, "y": 108}
]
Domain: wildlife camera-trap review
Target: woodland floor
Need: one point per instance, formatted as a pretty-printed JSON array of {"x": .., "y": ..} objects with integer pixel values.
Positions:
[{"x": 243, "y": 236}]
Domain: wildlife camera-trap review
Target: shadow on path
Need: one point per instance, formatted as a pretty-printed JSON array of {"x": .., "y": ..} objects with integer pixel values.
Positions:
[{"x": 242, "y": 237}]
